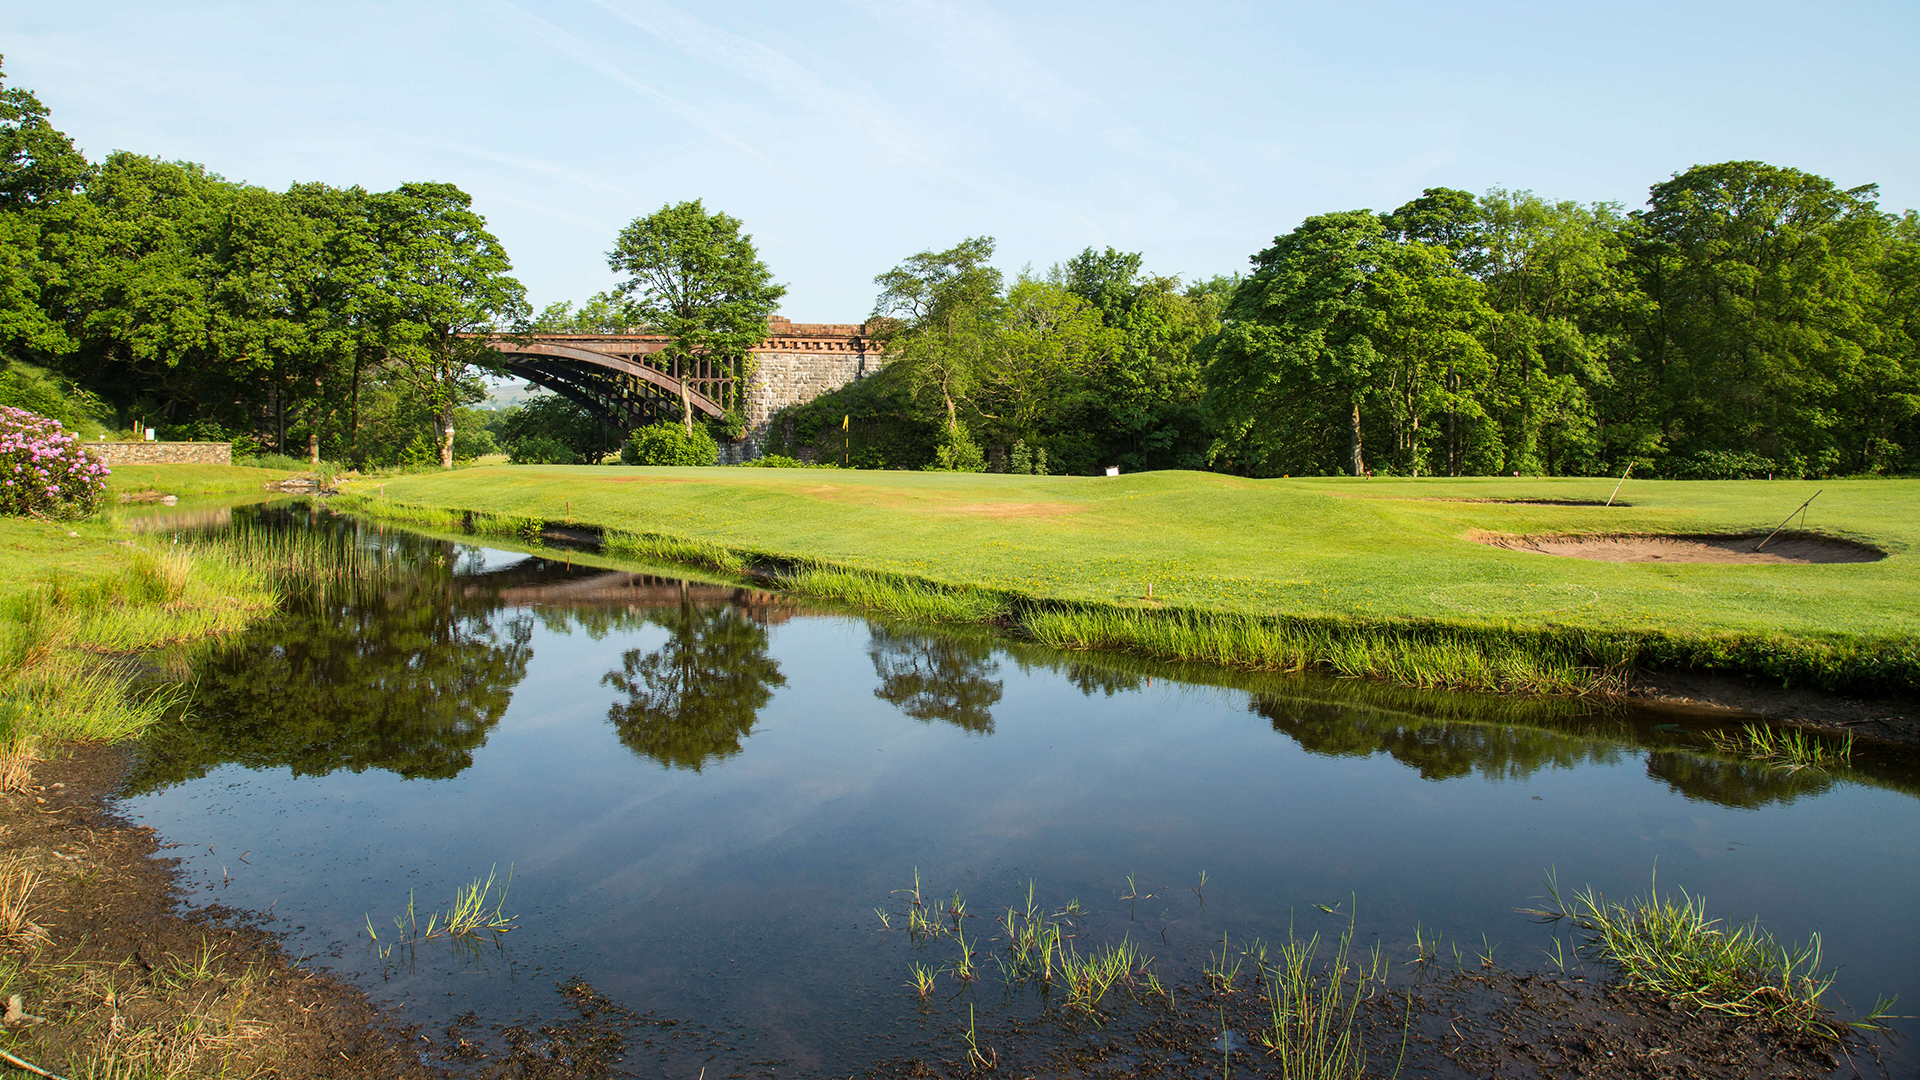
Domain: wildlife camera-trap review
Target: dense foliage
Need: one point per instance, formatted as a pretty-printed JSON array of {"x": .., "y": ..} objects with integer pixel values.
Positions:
[
  {"x": 667, "y": 443},
  {"x": 1749, "y": 320},
  {"x": 44, "y": 470},
  {"x": 317, "y": 321}
]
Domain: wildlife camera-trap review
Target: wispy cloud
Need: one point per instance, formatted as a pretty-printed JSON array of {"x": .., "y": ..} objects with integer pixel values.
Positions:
[
  {"x": 769, "y": 67},
  {"x": 579, "y": 51},
  {"x": 526, "y": 164}
]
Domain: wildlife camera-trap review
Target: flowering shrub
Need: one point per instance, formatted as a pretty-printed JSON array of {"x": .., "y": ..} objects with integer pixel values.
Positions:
[{"x": 43, "y": 469}]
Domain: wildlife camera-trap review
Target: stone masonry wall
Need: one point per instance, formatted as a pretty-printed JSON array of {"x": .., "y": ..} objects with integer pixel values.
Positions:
[
  {"x": 797, "y": 363},
  {"x": 161, "y": 453}
]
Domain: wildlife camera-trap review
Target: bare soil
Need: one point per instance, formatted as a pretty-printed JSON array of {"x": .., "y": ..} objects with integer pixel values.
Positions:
[
  {"x": 1889, "y": 718},
  {"x": 1784, "y": 548}
]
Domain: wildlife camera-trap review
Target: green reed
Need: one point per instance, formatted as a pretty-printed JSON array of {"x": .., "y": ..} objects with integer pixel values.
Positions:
[{"x": 1790, "y": 749}]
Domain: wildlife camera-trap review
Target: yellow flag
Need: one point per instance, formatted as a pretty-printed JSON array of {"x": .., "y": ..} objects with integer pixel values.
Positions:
[{"x": 843, "y": 421}]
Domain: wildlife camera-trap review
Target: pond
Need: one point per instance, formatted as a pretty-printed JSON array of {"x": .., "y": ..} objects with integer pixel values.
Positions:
[{"x": 703, "y": 793}]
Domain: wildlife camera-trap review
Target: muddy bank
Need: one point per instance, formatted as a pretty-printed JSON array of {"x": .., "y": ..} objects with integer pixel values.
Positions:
[
  {"x": 114, "y": 974},
  {"x": 1465, "y": 1025},
  {"x": 1733, "y": 697}
]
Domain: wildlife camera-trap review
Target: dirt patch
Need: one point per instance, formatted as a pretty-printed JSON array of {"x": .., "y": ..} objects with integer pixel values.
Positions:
[
  {"x": 1800, "y": 548},
  {"x": 1617, "y": 503},
  {"x": 1012, "y": 510},
  {"x": 127, "y": 982},
  {"x": 1891, "y": 718}
]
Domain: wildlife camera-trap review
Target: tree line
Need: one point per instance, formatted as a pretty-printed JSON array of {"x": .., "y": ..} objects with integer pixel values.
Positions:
[{"x": 1748, "y": 320}]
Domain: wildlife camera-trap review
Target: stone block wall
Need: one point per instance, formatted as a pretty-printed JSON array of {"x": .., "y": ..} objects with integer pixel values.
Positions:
[
  {"x": 797, "y": 363},
  {"x": 161, "y": 453}
]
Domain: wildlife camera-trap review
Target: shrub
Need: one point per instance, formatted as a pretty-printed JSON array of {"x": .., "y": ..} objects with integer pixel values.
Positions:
[
  {"x": 541, "y": 450},
  {"x": 667, "y": 443},
  {"x": 957, "y": 452},
  {"x": 779, "y": 461},
  {"x": 43, "y": 469}
]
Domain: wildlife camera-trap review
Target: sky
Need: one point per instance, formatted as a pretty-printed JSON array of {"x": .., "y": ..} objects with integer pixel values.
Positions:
[{"x": 850, "y": 134}]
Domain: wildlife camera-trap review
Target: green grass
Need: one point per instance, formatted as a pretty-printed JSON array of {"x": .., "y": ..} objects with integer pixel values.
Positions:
[
  {"x": 74, "y": 601},
  {"x": 1670, "y": 948},
  {"x": 1375, "y": 577},
  {"x": 192, "y": 481}
]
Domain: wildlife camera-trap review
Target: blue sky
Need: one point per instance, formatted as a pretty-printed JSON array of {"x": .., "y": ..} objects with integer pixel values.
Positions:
[{"x": 849, "y": 135}]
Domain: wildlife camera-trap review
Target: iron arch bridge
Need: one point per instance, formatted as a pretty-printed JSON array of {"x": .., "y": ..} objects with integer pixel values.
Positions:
[{"x": 619, "y": 378}]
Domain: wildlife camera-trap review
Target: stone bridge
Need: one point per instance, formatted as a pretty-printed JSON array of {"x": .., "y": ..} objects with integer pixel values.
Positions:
[{"x": 623, "y": 379}]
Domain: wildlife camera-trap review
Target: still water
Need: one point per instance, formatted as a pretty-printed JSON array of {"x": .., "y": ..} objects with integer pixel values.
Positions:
[{"x": 704, "y": 792}]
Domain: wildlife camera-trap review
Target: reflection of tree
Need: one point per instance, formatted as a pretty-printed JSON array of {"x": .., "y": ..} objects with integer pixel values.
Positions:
[
  {"x": 1438, "y": 749},
  {"x": 1441, "y": 750},
  {"x": 1746, "y": 785},
  {"x": 937, "y": 677},
  {"x": 402, "y": 672},
  {"x": 690, "y": 701},
  {"x": 1090, "y": 680}
]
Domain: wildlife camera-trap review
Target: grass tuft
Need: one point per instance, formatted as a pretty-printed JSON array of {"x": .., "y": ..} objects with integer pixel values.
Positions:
[{"x": 1669, "y": 947}]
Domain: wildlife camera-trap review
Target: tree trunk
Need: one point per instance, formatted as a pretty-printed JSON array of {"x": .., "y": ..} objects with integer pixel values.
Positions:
[
  {"x": 446, "y": 434},
  {"x": 686, "y": 403},
  {"x": 1353, "y": 439}
]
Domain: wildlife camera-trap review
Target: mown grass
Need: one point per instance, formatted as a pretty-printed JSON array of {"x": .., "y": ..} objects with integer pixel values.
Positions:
[
  {"x": 74, "y": 606},
  {"x": 1157, "y": 562}
]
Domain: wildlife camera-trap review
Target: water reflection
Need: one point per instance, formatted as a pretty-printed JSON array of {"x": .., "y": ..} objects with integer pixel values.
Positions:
[
  {"x": 405, "y": 672},
  {"x": 410, "y": 661},
  {"x": 936, "y": 676},
  {"x": 689, "y": 702}
]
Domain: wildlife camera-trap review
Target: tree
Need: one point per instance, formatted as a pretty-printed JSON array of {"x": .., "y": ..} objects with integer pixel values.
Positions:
[
  {"x": 1766, "y": 336},
  {"x": 603, "y": 313},
  {"x": 940, "y": 312},
  {"x": 39, "y": 168},
  {"x": 442, "y": 285},
  {"x": 697, "y": 279}
]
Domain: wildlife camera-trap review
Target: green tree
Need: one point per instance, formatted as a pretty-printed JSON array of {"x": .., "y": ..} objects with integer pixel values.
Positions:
[
  {"x": 443, "y": 285},
  {"x": 1340, "y": 329},
  {"x": 603, "y": 313},
  {"x": 696, "y": 278},
  {"x": 1766, "y": 335},
  {"x": 939, "y": 317}
]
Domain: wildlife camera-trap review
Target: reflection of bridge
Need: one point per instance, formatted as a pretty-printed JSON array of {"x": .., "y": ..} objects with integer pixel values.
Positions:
[
  {"x": 624, "y": 380},
  {"x": 547, "y": 582}
]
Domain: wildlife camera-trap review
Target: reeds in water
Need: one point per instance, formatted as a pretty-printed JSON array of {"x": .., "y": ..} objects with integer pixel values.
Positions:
[
  {"x": 476, "y": 910},
  {"x": 1313, "y": 1008},
  {"x": 1789, "y": 750},
  {"x": 1670, "y": 947}
]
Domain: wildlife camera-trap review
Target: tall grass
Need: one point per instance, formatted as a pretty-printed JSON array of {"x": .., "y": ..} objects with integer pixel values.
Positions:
[
  {"x": 914, "y": 599},
  {"x": 673, "y": 549},
  {"x": 1669, "y": 947},
  {"x": 63, "y": 644},
  {"x": 1417, "y": 656}
]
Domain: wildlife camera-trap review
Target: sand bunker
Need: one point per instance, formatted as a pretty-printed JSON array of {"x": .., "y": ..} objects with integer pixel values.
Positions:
[{"x": 1785, "y": 548}]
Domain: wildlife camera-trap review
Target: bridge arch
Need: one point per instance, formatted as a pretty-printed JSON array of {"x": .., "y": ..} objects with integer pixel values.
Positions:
[{"x": 619, "y": 389}]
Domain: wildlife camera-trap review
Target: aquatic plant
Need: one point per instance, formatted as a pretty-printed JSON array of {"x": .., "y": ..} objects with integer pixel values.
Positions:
[
  {"x": 1790, "y": 749},
  {"x": 676, "y": 549},
  {"x": 1671, "y": 948},
  {"x": 475, "y": 910},
  {"x": 914, "y": 599},
  {"x": 1313, "y": 1008}
]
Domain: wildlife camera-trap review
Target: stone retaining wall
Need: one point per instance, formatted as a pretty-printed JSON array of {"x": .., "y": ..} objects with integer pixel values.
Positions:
[
  {"x": 797, "y": 363},
  {"x": 161, "y": 453}
]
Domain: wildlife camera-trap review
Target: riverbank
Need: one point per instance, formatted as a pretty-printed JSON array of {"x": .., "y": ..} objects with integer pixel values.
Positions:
[
  {"x": 113, "y": 975},
  {"x": 1432, "y": 583}
]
